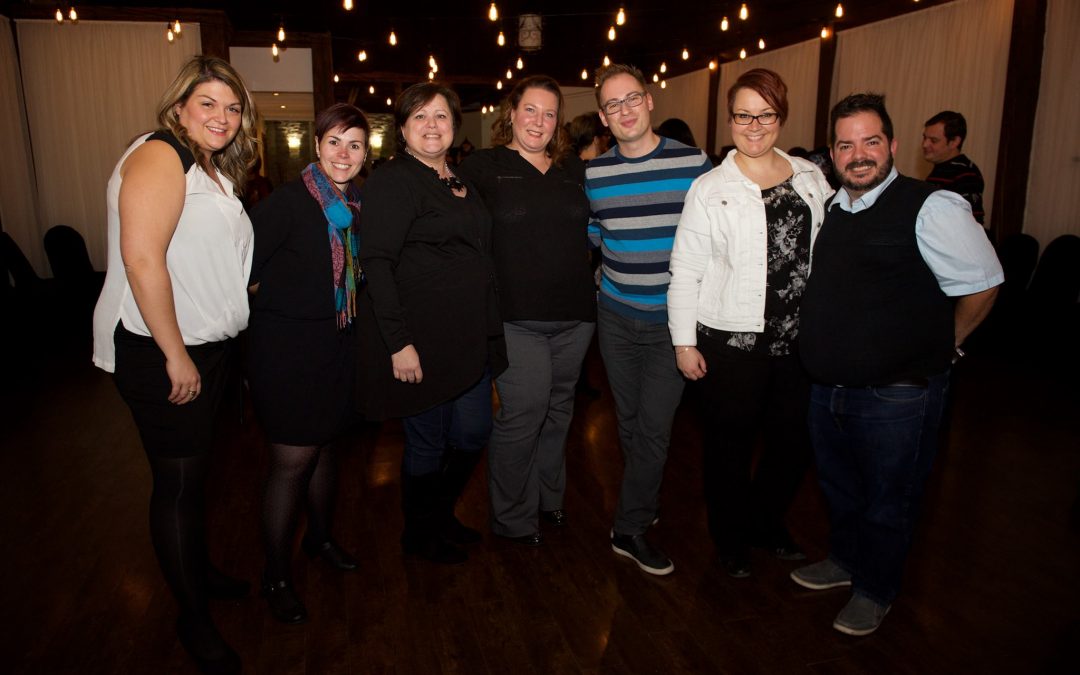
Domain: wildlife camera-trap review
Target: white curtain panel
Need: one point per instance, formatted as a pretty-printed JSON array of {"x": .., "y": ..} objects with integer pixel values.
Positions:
[
  {"x": 685, "y": 97},
  {"x": 18, "y": 191},
  {"x": 798, "y": 66},
  {"x": 90, "y": 88},
  {"x": 1053, "y": 192},
  {"x": 949, "y": 57}
]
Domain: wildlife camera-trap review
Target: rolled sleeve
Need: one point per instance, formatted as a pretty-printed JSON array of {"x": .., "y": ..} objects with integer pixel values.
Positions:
[{"x": 955, "y": 247}]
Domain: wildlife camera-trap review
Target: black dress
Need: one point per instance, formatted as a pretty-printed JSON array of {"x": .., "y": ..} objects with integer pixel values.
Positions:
[
  {"x": 300, "y": 365},
  {"x": 426, "y": 255}
]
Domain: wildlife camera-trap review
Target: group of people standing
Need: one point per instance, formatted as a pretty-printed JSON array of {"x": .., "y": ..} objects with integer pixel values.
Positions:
[{"x": 417, "y": 294}]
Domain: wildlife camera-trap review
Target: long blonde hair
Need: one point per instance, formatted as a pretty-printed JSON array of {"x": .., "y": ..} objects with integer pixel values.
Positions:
[{"x": 237, "y": 156}]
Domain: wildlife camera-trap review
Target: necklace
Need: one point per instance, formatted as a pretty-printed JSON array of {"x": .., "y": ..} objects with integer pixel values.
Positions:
[{"x": 451, "y": 181}]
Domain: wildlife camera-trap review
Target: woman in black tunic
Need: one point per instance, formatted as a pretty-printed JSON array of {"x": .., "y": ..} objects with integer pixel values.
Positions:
[
  {"x": 430, "y": 333},
  {"x": 305, "y": 275}
]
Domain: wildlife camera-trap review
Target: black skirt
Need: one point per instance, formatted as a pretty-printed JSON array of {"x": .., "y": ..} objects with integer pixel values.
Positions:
[{"x": 169, "y": 430}]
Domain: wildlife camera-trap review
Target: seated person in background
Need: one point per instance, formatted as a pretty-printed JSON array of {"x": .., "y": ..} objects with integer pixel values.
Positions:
[{"x": 943, "y": 139}]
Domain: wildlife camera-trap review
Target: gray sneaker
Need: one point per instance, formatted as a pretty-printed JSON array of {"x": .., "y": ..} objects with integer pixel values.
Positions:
[
  {"x": 647, "y": 557},
  {"x": 861, "y": 616},
  {"x": 821, "y": 575}
]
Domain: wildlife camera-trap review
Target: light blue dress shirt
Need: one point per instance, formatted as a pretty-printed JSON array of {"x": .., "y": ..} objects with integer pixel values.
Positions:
[{"x": 950, "y": 240}]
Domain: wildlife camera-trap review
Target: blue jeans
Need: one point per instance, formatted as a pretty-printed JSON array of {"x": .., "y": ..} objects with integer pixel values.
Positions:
[
  {"x": 647, "y": 387},
  {"x": 874, "y": 448},
  {"x": 463, "y": 423}
]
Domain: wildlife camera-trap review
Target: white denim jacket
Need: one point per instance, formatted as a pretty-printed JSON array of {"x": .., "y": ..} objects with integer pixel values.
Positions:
[{"x": 719, "y": 259}]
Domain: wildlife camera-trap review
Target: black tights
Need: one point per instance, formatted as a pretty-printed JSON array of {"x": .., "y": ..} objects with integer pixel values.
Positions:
[
  {"x": 178, "y": 528},
  {"x": 297, "y": 473}
]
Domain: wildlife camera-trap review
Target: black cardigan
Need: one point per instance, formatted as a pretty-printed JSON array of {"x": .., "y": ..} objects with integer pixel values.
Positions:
[
  {"x": 430, "y": 283},
  {"x": 540, "y": 239}
]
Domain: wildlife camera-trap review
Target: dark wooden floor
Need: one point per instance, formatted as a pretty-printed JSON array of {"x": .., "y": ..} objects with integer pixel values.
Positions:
[{"x": 991, "y": 585}]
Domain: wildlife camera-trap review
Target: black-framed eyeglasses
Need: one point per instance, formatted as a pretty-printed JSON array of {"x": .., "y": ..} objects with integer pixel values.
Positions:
[
  {"x": 744, "y": 119},
  {"x": 632, "y": 100}
]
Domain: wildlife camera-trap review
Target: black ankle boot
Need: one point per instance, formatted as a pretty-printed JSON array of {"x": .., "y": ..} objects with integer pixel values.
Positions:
[
  {"x": 204, "y": 644},
  {"x": 422, "y": 504},
  {"x": 455, "y": 477},
  {"x": 284, "y": 603},
  {"x": 220, "y": 586},
  {"x": 330, "y": 552}
]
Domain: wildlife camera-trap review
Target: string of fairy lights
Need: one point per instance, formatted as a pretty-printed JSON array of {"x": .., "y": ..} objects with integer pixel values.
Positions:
[{"x": 618, "y": 21}]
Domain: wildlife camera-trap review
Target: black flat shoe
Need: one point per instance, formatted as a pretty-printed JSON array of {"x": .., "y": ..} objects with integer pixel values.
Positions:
[
  {"x": 205, "y": 646},
  {"x": 535, "y": 539},
  {"x": 556, "y": 518},
  {"x": 455, "y": 532},
  {"x": 737, "y": 566},
  {"x": 220, "y": 586},
  {"x": 284, "y": 603},
  {"x": 331, "y": 553}
]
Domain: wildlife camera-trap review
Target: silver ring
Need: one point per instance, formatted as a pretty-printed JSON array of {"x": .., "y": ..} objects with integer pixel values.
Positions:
[{"x": 191, "y": 393}]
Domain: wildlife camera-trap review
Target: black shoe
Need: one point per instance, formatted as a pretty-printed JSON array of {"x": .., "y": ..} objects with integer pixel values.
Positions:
[
  {"x": 223, "y": 587},
  {"x": 737, "y": 565},
  {"x": 455, "y": 532},
  {"x": 649, "y": 558},
  {"x": 556, "y": 518},
  {"x": 535, "y": 539},
  {"x": 284, "y": 603},
  {"x": 203, "y": 643},
  {"x": 330, "y": 552}
]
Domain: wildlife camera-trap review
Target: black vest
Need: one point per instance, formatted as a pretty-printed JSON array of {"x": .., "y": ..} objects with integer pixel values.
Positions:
[{"x": 873, "y": 312}]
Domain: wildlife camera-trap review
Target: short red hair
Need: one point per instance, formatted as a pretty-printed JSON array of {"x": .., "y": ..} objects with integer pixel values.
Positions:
[{"x": 768, "y": 86}]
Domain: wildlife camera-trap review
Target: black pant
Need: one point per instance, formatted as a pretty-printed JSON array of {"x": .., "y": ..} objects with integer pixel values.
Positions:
[{"x": 743, "y": 394}]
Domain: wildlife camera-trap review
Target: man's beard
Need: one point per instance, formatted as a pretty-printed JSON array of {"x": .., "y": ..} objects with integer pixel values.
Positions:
[{"x": 866, "y": 184}]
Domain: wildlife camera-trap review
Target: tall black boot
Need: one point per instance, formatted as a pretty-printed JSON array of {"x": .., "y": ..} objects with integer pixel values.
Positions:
[
  {"x": 456, "y": 473},
  {"x": 421, "y": 503}
]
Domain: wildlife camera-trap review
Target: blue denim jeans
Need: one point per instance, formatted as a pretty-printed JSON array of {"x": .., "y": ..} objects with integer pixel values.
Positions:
[
  {"x": 463, "y": 423},
  {"x": 874, "y": 447}
]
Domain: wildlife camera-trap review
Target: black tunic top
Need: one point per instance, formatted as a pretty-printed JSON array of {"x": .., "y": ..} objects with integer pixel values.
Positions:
[
  {"x": 540, "y": 237},
  {"x": 430, "y": 283},
  {"x": 300, "y": 365}
]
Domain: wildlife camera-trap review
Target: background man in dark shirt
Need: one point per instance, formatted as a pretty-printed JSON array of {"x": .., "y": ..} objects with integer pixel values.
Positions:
[{"x": 943, "y": 140}]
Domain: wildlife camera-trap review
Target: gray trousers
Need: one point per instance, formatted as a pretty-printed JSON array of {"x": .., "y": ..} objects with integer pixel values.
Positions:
[
  {"x": 647, "y": 387},
  {"x": 526, "y": 453}
]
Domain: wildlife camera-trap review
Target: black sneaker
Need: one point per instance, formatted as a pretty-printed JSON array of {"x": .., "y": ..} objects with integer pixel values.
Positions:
[{"x": 649, "y": 558}]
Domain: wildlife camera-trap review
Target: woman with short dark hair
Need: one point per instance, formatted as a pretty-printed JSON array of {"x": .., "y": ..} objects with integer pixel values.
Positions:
[{"x": 430, "y": 333}]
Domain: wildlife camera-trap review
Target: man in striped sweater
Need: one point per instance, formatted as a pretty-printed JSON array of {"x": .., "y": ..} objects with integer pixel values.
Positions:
[{"x": 636, "y": 191}]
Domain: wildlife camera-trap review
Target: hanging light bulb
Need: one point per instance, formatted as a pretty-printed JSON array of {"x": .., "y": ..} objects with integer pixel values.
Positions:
[
  {"x": 761, "y": 43},
  {"x": 371, "y": 89},
  {"x": 620, "y": 18},
  {"x": 347, "y": 4},
  {"x": 724, "y": 23},
  {"x": 431, "y": 61},
  {"x": 655, "y": 77},
  {"x": 493, "y": 12},
  {"x": 59, "y": 16},
  {"x": 825, "y": 33},
  {"x": 520, "y": 64},
  {"x": 431, "y": 75},
  {"x": 393, "y": 39},
  {"x": 388, "y": 101},
  {"x": 663, "y": 66},
  {"x": 607, "y": 61},
  {"x": 274, "y": 50},
  {"x": 839, "y": 10},
  {"x": 712, "y": 65},
  {"x": 362, "y": 56},
  {"x": 744, "y": 13},
  {"x": 663, "y": 84},
  {"x": 281, "y": 33},
  {"x": 498, "y": 85},
  {"x": 483, "y": 110},
  {"x": 176, "y": 27},
  {"x": 611, "y": 33},
  {"x": 169, "y": 34},
  {"x": 685, "y": 54},
  {"x": 584, "y": 74},
  {"x": 73, "y": 15},
  {"x": 742, "y": 53},
  {"x": 336, "y": 78},
  {"x": 501, "y": 40},
  {"x": 509, "y": 74}
]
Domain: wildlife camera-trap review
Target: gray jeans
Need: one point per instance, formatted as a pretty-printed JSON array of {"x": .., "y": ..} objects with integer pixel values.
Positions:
[
  {"x": 647, "y": 387},
  {"x": 526, "y": 453}
]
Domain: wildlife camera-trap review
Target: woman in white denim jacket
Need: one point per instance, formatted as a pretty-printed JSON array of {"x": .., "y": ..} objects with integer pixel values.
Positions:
[{"x": 738, "y": 268}]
